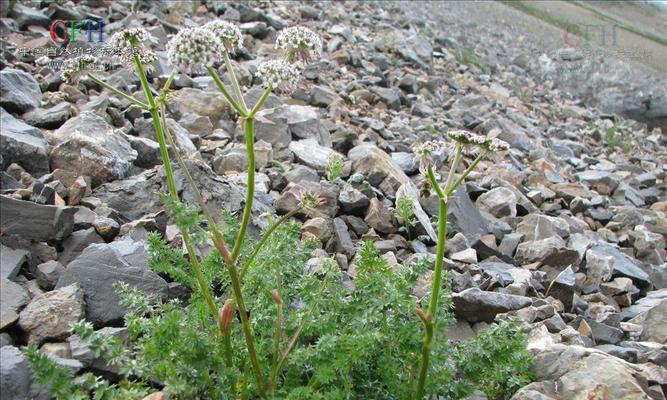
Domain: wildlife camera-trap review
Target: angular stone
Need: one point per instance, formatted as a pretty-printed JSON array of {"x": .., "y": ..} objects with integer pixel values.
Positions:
[
  {"x": 602, "y": 181},
  {"x": 48, "y": 273},
  {"x": 321, "y": 228},
  {"x": 34, "y": 221},
  {"x": 563, "y": 288},
  {"x": 81, "y": 351},
  {"x": 15, "y": 374},
  {"x": 11, "y": 261},
  {"x": 12, "y": 299},
  {"x": 653, "y": 323},
  {"x": 389, "y": 96},
  {"x": 499, "y": 202},
  {"x": 96, "y": 270},
  {"x": 352, "y": 201},
  {"x": 321, "y": 96},
  {"x": 77, "y": 243},
  {"x": 623, "y": 264},
  {"x": 49, "y": 315},
  {"x": 104, "y": 156},
  {"x": 475, "y": 305},
  {"x": 19, "y": 91},
  {"x": 379, "y": 217},
  {"x": 309, "y": 152},
  {"x": 22, "y": 144},
  {"x": 341, "y": 238},
  {"x": 290, "y": 197},
  {"x": 48, "y": 118}
]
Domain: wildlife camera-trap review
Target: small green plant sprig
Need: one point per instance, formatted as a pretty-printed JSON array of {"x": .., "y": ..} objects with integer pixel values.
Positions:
[
  {"x": 619, "y": 134},
  {"x": 334, "y": 168},
  {"x": 464, "y": 142},
  {"x": 405, "y": 214}
]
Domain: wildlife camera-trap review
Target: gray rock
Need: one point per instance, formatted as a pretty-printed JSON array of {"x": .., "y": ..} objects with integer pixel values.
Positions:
[
  {"x": 652, "y": 299},
  {"x": 653, "y": 323},
  {"x": 389, "y": 96},
  {"x": 290, "y": 197},
  {"x": 12, "y": 299},
  {"x": 342, "y": 243},
  {"x": 421, "y": 110},
  {"x": 538, "y": 227},
  {"x": 11, "y": 261},
  {"x": 352, "y": 201},
  {"x": 234, "y": 159},
  {"x": 181, "y": 137},
  {"x": 300, "y": 173},
  {"x": 34, "y": 221},
  {"x": 82, "y": 352},
  {"x": 499, "y": 202},
  {"x": 96, "y": 270},
  {"x": 463, "y": 216},
  {"x": 417, "y": 49},
  {"x": 625, "y": 353},
  {"x": 309, "y": 152},
  {"x": 77, "y": 243},
  {"x": 148, "y": 151},
  {"x": 49, "y": 315},
  {"x": 603, "y": 182},
  {"x": 563, "y": 288},
  {"x": 603, "y": 333},
  {"x": 379, "y": 217},
  {"x": 26, "y": 16},
  {"x": 623, "y": 264},
  {"x": 475, "y": 305},
  {"x": 406, "y": 161},
  {"x": 271, "y": 127},
  {"x": 579, "y": 372},
  {"x": 48, "y": 118},
  {"x": 303, "y": 122},
  {"x": 374, "y": 164},
  {"x": 318, "y": 227},
  {"x": 48, "y": 273},
  {"x": 22, "y": 144},
  {"x": 15, "y": 374},
  {"x": 321, "y": 96},
  {"x": 104, "y": 156},
  {"x": 19, "y": 91}
]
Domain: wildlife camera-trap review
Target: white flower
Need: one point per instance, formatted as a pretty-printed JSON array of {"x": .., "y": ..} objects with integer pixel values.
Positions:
[
  {"x": 74, "y": 67},
  {"x": 275, "y": 72},
  {"x": 229, "y": 34},
  {"x": 299, "y": 42},
  {"x": 494, "y": 145},
  {"x": 127, "y": 38},
  {"x": 193, "y": 49},
  {"x": 424, "y": 153}
]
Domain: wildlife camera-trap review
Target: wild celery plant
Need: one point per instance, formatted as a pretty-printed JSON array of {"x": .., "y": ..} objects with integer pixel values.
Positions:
[
  {"x": 334, "y": 168},
  {"x": 464, "y": 142},
  {"x": 196, "y": 50}
]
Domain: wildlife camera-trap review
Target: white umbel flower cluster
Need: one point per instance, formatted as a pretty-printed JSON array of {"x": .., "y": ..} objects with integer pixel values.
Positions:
[
  {"x": 276, "y": 72},
  {"x": 425, "y": 153},
  {"x": 300, "y": 43},
  {"x": 229, "y": 34},
  {"x": 127, "y": 38},
  {"x": 194, "y": 49},
  {"x": 75, "y": 67},
  {"x": 473, "y": 143}
]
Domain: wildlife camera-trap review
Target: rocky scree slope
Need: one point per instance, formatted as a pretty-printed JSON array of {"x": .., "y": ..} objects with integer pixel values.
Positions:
[{"x": 566, "y": 233}]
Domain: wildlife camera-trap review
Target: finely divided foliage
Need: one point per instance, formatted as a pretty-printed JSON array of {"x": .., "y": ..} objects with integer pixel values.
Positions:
[{"x": 261, "y": 322}]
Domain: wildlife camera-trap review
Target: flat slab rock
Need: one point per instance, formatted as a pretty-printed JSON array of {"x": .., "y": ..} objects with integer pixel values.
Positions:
[
  {"x": 96, "y": 270},
  {"x": 475, "y": 305}
]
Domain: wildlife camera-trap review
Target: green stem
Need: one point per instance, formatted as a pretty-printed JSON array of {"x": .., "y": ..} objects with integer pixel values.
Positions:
[
  {"x": 264, "y": 238},
  {"x": 235, "y": 83},
  {"x": 247, "y": 331},
  {"x": 465, "y": 174},
  {"x": 171, "y": 183},
  {"x": 260, "y": 102},
  {"x": 227, "y": 341},
  {"x": 112, "y": 89},
  {"x": 455, "y": 165},
  {"x": 218, "y": 238},
  {"x": 250, "y": 190},
  {"x": 434, "y": 183},
  {"x": 225, "y": 92},
  {"x": 278, "y": 331},
  {"x": 435, "y": 294}
]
